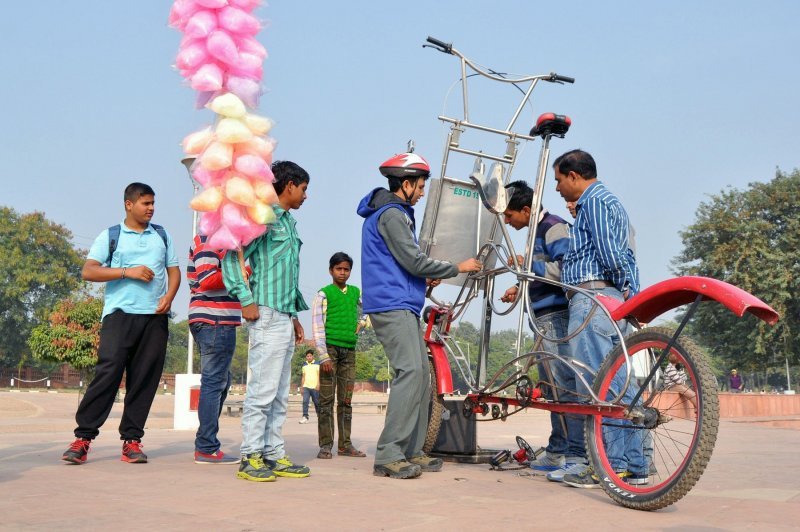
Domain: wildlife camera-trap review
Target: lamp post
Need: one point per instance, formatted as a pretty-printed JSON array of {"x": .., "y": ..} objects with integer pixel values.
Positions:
[{"x": 188, "y": 162}]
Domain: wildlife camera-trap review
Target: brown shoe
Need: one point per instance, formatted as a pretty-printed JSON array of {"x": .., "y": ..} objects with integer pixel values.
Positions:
[
  {"x": 351, "y": 451},
  {"x": 427, "y": 463},
  {"x": 397, "y": 469},
  {"x": 325, "y": 453}
]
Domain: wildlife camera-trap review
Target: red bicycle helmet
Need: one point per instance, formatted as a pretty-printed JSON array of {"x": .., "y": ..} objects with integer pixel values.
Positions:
[{"x": 406, "y": 165}]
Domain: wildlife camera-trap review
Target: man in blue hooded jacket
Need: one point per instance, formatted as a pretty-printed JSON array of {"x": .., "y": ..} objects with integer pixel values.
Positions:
[{"x": 393, "y": 276}]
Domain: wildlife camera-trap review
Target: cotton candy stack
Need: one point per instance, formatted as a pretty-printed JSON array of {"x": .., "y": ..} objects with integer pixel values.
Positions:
[{"x": 220, "y": 58}]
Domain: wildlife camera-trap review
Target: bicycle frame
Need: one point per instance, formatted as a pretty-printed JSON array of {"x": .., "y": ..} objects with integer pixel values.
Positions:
[
  {"x": 669, "y": 449},
  {"x": 643, "y": 307}
]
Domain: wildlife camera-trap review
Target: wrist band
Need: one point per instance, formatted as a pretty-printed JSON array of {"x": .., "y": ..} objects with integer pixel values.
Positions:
[{"x": 123, "y": 273}]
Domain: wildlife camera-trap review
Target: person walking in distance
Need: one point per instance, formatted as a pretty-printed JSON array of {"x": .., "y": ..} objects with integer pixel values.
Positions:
[{"x": 309, "y": 385}]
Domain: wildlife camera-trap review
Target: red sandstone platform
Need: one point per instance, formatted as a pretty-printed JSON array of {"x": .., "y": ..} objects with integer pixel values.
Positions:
[{"x": 750, "y": 484}]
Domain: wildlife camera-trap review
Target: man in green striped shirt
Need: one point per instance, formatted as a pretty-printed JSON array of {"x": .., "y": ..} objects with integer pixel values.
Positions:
[{"x": 270, "y": 301}]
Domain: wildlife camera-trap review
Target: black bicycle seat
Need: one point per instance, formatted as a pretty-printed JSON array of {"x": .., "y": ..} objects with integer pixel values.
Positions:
[{"x": 551, "y": 124}]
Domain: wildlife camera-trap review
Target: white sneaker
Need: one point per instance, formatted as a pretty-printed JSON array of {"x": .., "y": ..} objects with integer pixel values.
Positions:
[
  {"x": 548, "y": 462},
  {"x": 569, "y": 467},
  {"x": 303, "y": 420}
]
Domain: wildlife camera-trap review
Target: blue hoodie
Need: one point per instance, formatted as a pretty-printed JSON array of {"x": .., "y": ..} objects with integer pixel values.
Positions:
[{"x": 393, "y": 268}]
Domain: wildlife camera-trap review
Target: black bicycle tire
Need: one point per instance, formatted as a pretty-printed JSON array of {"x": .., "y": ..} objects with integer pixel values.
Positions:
[
  {"x": 436, "y": 413},
  {"x": 702, "y": 446}
]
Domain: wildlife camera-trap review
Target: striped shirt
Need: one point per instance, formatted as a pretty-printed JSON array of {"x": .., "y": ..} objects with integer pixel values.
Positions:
[
  {"x": 275, "y": 260},
  {"x": 673, "y": 376},
  {"x": 210, "y": 301},
  {"x": 600, "y": 248}
]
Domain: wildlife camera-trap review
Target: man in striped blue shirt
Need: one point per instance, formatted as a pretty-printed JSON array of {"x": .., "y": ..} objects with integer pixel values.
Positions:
[{"x": 600, "y": 259}]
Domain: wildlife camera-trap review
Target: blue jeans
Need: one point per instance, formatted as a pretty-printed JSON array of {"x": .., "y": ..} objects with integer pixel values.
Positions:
[
  {"x": 310, "y": 393},
  {"x": 591, "y": 346},
  {"x": 269, "y": 359},
  {"x": 555, "y": 325},
  {"x": 217, "y": 344}
]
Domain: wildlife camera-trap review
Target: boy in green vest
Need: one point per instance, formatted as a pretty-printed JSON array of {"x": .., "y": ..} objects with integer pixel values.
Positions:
[{"x": 335, "y": 322}]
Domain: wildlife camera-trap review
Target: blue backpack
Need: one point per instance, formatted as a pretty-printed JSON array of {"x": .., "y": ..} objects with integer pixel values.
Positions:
[{"x": 113, "y": 239}]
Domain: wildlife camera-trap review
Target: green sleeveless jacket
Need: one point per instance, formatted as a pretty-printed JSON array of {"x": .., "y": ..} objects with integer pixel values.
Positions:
[{"x": 341, "y": 317}]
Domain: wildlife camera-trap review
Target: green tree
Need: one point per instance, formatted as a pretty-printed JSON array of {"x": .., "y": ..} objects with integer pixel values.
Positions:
[
  {"x": 71, "y": 335},
  {"x": 365, "y": 370},
  {"x": 177, "y": 349},
  {"x": 39, "y": 268},
  {"x": 748, "y": 238}
]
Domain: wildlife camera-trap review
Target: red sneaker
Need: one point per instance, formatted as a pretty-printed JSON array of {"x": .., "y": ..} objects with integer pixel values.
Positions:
[
  {"x": 217, "y": 457},
  {"x": 132, "y": 452},
  {"x": 77, "y": 452}
]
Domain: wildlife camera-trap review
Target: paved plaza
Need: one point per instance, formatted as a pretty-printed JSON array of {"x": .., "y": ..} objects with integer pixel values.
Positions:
[{"x": 752, "y": 482}]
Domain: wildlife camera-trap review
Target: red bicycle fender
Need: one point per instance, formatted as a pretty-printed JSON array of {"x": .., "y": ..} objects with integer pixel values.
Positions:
[
  {"x": 444, "y": 379},
  {"x": 667, "y": 295}
]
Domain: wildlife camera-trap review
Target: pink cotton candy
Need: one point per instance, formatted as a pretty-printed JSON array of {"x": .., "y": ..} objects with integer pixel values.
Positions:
[
  {"x": 180, "y": 13},
  {"x": 207, "y": 78},
  {"x": 233, "y": 217},
  {"x": 238, "y": 21},
  {"x": 252, "y": 166},
  {"x": 192, "y": 56},
  {"x": 206, "y": 177},
  {"x": 247, "y": 5},
  {"x": 248, "y": 90},
  {"x": 250, "y": 45},
  {"x": 201, "y": 24},
  {"x": 248, "y": 66},
  {"x": 252, "y": 232},
  {"x": 211, "y": 4},
  {"x": 209, "y": 222},
  {"x": 221, "y": 46},
  {"x": 223, "y": 238}
]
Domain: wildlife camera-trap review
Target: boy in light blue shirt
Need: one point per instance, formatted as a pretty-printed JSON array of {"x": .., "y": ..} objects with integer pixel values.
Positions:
[{"x": 137, "y": 261}]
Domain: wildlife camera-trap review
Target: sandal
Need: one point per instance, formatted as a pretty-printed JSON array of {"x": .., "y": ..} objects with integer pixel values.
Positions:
[
  {"x": 351, "y": 451},
  {"x": 325, "y": 453}
]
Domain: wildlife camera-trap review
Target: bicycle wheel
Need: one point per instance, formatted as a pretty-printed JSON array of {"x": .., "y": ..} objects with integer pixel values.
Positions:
[
  {"x": 675, "y": 432},
  {"x": 436, "y": 412}
]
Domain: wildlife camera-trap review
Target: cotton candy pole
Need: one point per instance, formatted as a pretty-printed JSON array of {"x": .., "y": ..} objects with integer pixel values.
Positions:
[{"x": 220, "y": 57}]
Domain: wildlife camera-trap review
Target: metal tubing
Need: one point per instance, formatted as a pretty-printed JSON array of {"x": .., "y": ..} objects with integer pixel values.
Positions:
[
  {"x": 481, "y": 154},
  {"x": 522, "y": 104},
  {"x": 470, "y": 125}
]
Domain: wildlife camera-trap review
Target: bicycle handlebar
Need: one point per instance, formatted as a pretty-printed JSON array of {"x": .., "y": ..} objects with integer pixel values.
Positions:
[
  {"x": 563, "y": 79},
  {"x": 440, "y": 45}
]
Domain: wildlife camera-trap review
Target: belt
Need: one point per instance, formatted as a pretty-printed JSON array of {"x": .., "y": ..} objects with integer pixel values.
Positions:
[{"x": 589, "y": 285}]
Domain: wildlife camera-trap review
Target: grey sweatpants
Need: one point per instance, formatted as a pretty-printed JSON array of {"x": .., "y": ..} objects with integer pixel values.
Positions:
[{"x": 409, "y": 401}]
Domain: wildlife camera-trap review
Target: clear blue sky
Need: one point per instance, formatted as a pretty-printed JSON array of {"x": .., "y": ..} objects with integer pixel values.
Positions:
[{"x": 675, "y": 100}]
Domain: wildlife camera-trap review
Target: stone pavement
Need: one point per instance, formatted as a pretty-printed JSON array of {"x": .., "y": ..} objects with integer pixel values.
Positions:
[{"x": 751, "y": 483}]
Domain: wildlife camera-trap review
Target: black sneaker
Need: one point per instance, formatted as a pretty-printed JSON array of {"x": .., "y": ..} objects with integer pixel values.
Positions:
[
  {"x": 132, "y": 452},
  {"x": 397, "y": 469},
  {"x": 77, "y": 452},
  {"x": 252, "y": 467},
  {"x": 428, "y": 464}
]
